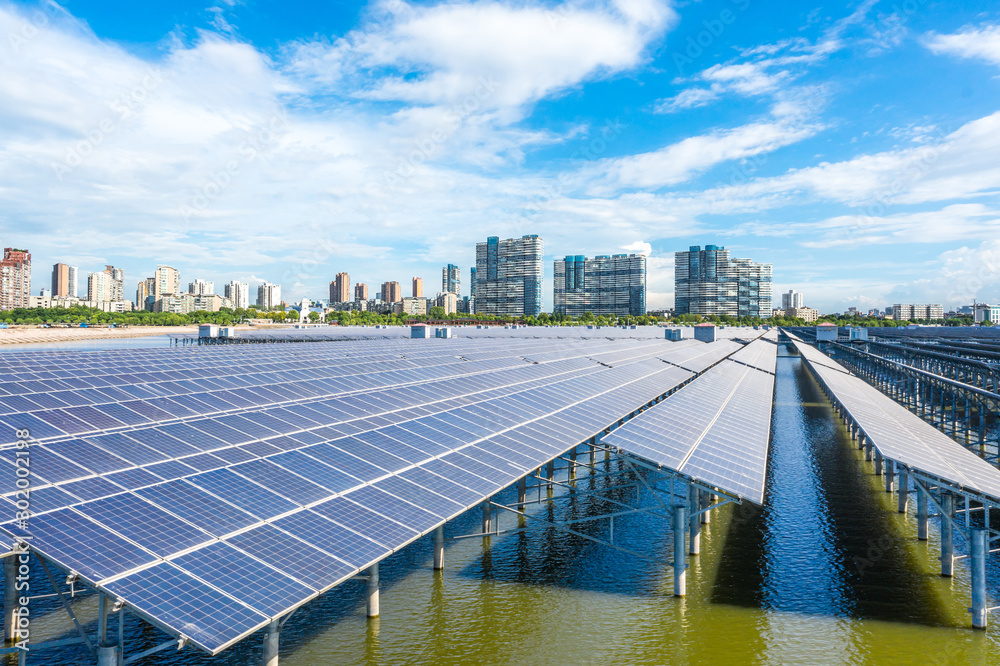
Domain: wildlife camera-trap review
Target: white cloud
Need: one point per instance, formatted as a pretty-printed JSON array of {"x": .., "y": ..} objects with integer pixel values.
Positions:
[
  {"x": 681, "y": 161},
  {"x": 509, "y": 55},
  {"x": 981, "y": 43},
  {"x": 638, "y": 247}
]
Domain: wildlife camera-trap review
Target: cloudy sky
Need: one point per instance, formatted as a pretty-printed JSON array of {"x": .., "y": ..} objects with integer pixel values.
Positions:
[{"x": 854, "y": 145}]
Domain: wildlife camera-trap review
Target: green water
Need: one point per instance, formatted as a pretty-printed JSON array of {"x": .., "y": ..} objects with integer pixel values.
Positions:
[{"x": 827, "y": 572}]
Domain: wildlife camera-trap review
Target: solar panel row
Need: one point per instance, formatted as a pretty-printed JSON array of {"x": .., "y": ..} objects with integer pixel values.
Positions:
[
  {"x": 303, "y": 497},
  {"x": 717, "y": 429},
  {"x": 900, "y": 435}
]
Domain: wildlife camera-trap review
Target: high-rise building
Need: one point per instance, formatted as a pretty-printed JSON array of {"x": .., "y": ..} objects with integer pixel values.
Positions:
[
  {"x": 604, "y": 285},
  {"x": 64, "y": 281},
  {"x": 99, "y": 287},
  {"x": 909, "y": 312},
  {"x": 361, "y": 292},
  {"x": 451, "y": 279},
  {"x": 239, "y": 294},
  {"x": 268, "y": 296},
  {"x": 391, "y": 292},
  {"x": 166, "y": 282},
  {"x": 201, "y": 287},
  {"x": 709, "y": 282},
  {"x": 418, "y": 287},
  {"x": 792, "y": 300},
  {"x": 15, "y": 279},
  {"x": 340, "y": 288},
  {"x": 509, "y": 276},
  {"x": 447, "y": 300},
  {"x": 472, "y": 282}
]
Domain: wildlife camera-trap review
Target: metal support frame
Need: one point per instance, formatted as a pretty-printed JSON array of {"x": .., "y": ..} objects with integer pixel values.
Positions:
[
  {"x": 439, "y": 548},
  {"x": 69, "y": 609},
  {"x": 680, "y": 562},
  {"x": 269, "y": 657}
]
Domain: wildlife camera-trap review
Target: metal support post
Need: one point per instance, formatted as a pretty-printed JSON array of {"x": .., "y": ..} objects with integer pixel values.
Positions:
[
  {"x": 706, "y": 501},
  {"x": 878, "y": 463},
  {"x": 593, "y": 450},
  {"x": 10, "y": 604},
  {"x": 522, "y": 491},
  {"x": 890, "y": 469},
  {"x": 978, "y": 548},
  {"x": 904, "y": 489},
  {"x": 439, "y": 547},
  {"x": 695, "y": 520},
  {"x": 107, "y": 648},
  {"x": 947, "y": 543},
  {"x": 270, "y": 656},
  {"x": 373, "y": 590},
  {"x": 487, "y": 517},
  {"x": 680, "y": 562},
  {"x": 550, "y": 474},
  {"x": 921, "y": 514},
  {"x": 868, "y": 450},
  {"x": 572, "y": 463}
]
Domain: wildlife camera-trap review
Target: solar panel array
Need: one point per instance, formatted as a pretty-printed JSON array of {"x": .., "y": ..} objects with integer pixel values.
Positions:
[
  {"x": 215, "y": 488},
  {"x": 715, "y": 430},
  {"x": 900, "y": 435}
]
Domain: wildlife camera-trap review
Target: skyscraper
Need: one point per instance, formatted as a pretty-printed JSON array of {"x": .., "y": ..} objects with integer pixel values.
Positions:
[
  {"x": 451, "y": 279},
  {"x": 418, "y": 287},
  {"x": 268, "y": 295},
  {"x": 391, "y": 292},
  {"x": 15, "y": 279},
  {"x": 99, "y": 287},
  {"x": 340, "y": 289},
  {"x": 472, "y": 282},
  {"x": 792, "y": 300},
  {"x": 603, "y": 285},
  {"x": 239, "y": 294},
  {"x": 709, "y": 282},
  {"x": 361, "y": 292},
  {"x": 64, "y": 281},
  {"x": 166, "y": 282},
  {"x": 509, "y": 276},
  {"x": 201, "y": 287}
]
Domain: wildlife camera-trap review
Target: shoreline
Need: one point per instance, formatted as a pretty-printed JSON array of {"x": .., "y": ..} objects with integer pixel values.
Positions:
[{"x": 19, "y": 336}]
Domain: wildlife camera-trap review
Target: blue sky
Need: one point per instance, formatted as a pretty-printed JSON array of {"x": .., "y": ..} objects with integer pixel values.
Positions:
[{"x": 854, "y": 145}]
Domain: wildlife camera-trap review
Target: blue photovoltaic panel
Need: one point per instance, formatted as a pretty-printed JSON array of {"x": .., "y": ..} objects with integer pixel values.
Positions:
[
  {"x": 133, "y": 478},
  {"x": 92, "y": 488},
  {"x": 353, "y": 516},
  {"x": 247, "y": 495},
  {"x": 244, "y": 578},
  {"x": 81, "y": 544},
  {"x": 139, "y": 521},
  {"x": 197, "y": 506},
  {"x": 210, "y": 618},
  {"x": 280, "y": 480},
  {"x": 293, "y": 556},
  {"x": 317, "y": 472},
  {"x": 343, "y": 461},
  {"x": 43, "y": 464},
  {"x": 127, "y": 448},
  {"x": 397, "y": 509},
  {"x": 89, "y": 456},
  {"x": 329, "y": 537}
]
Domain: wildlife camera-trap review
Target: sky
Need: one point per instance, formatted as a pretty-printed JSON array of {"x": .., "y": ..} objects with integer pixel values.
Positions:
[{"x": 853, "y": 145}]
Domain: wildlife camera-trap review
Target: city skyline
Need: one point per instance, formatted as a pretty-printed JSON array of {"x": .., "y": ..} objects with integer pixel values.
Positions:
[{"x": 728, "y": 126}]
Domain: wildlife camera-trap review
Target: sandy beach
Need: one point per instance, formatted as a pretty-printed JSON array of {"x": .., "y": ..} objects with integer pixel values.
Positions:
[{"x": 14, "y": 336}]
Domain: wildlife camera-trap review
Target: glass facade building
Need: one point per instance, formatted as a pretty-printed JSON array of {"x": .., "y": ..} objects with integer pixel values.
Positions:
[
  {"x": 710, "y": 282},
  {"x": 509, "y": 276},
  {"x": 604, "y": 285}
]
